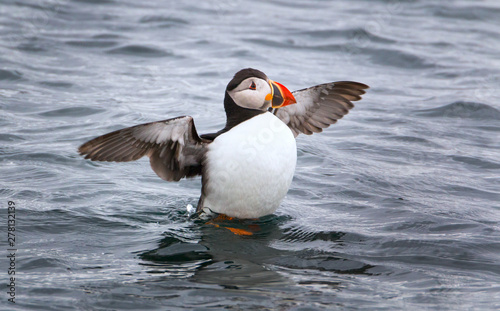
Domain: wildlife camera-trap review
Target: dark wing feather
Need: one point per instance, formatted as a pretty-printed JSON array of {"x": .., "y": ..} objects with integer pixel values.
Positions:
[
  {"x": 320, "y": 106},
  {"x": 173, "y": 146}
]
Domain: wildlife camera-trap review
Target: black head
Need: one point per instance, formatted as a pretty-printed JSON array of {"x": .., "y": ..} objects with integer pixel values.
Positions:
[
  {"x": 245, "y": 74},
  {"x": 250, "y": 93}
]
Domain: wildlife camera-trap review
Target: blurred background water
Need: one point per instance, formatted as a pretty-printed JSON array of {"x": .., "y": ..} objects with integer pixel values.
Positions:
[{"x": 395, "y": 207}]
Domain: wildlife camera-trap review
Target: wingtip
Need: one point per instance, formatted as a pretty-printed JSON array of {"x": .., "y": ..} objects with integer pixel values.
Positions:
[
  {"x": 81, "y": 151},
  {"x": 358, "y": 85}
]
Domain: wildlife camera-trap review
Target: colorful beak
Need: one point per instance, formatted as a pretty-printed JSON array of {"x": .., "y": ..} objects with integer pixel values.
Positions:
[{"x": 281, "y": 95}]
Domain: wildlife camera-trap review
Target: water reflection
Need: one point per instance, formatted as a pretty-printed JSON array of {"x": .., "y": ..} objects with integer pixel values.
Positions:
[{"x": 267, "y": 257}]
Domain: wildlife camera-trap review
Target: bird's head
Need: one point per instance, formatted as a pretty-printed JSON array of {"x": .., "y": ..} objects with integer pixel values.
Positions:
[{"x": 252, "y": 89}]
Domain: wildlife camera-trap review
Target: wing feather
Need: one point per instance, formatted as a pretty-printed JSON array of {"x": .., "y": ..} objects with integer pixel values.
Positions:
[
  {"x": 320, "y": 106},
  {"x": 173, "y": 146}
]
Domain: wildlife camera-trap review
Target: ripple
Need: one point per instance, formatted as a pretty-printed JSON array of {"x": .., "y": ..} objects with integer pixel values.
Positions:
[
  {"x": 472, "y": 192},
  {"x": 468, "y": 13},
  {"x": 163, "y": 21},
  {"x": 271, "y": 43},
  {"x": 461, "y": 109},
  {"x": 239, "y": 274},
  {"x": 74, "y": 112},
  {"x": 42, "y": 157},
  {"x": 107, "y": 36},
  {"x": 92, "y": 43},
  {"x": 61, "y": 84},
  {"x": 140, "y": 50},
  {"x": 451, "y": 228},
  {"x": 97, "y": 2},
  {"x": 10, "y": 137},
  {"x": 35, "y": 45},
  {"x": 177, "y": 252},
  {"x": 176, "y": 258},
  {"x": 292, "y": 44},
  {"x": 476, "y": 162},
  {"x": 352, "y": 33},
  {"x": 302, "y": 235},
  {"x": 324, "y": 262},
  {"x": 411, "y": 139},
  {"x": 10, "y": 74},
  {"x": 43, "y": 264},
  {"x": 395, "y": 58}
]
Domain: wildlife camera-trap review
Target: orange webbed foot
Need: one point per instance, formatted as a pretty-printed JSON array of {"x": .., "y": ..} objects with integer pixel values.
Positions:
[{"x": 218, "y": 222}]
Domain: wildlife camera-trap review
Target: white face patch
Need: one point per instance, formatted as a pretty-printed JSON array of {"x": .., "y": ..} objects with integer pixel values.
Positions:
[{"x": 252, "y": 93}]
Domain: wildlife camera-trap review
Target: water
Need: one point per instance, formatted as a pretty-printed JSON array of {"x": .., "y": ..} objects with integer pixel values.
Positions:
[{"x": 395, "y": 207}]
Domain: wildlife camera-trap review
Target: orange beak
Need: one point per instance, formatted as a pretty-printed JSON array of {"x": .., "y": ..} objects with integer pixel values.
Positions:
[{"x": 281, "y": 96}]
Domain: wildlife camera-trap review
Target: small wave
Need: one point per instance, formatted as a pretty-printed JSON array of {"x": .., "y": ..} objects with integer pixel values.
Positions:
[
  {"x": 57, "y": 84},
  {"x": 10, "y": 74},
  {"x": 396, "y": 58},
  {"x": 476, "y": 162},
  {"x": 291, "y": 44},
  {"x": 104, "y": 40},
  {"x": 34, "y": 45},
  {"x": 409, "y": 139},
  {"x": 176, "y": 258},
  {"x": 324, "y": 262},
  {"x": 270, "y": 43},
  {"x": 107, "y": 36},
  {"x": 44, "y": 263},
  {"x": 140, "y": 50},
  {"x": 10, "y": 137},
  {"x": 303, "y": 235},
  {"x": 39, "y": 157},
  {"x": 76, "y": 112},
  {"x": 92, "y": 43},
  {"x": 461, "y": 109},
  {"x": 96, "y": 1},
  {"x": 359, "y": 34},
  {"x": 467, "y": 13},
  {"x": 179, "y": 252},
  {"x": 164, "y": 21}
]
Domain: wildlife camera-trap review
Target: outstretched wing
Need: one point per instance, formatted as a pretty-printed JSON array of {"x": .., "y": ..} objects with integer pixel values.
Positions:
[
  {"x": 173, "y": 146},
  {"x": 320, "y": 106}
]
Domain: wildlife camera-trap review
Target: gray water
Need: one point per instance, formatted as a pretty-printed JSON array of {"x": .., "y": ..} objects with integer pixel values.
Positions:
[{"x": 394, "y": 207}]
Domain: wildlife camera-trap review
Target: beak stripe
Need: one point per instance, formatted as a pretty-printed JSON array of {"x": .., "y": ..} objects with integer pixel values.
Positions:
[
  {"x": 281, "y": 95},
  {"x": 277, "y": 98}
]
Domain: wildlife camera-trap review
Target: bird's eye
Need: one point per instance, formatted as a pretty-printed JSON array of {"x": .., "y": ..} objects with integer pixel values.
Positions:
[{"x": 253, "y": 86}]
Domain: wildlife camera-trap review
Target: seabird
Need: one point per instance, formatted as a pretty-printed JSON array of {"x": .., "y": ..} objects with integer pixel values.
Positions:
[{"x": 246, "y": 167}]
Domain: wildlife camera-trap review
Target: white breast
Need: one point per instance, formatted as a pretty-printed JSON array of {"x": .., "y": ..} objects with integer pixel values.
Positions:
[{"x": 250, "y": 168}]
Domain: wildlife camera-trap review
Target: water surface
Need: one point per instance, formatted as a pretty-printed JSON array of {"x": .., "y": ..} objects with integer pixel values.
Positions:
[{"x": 395, "y": 207}]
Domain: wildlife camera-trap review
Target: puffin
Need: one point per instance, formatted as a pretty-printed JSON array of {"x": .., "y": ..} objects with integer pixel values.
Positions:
[{"x": 247, "y": 167}]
